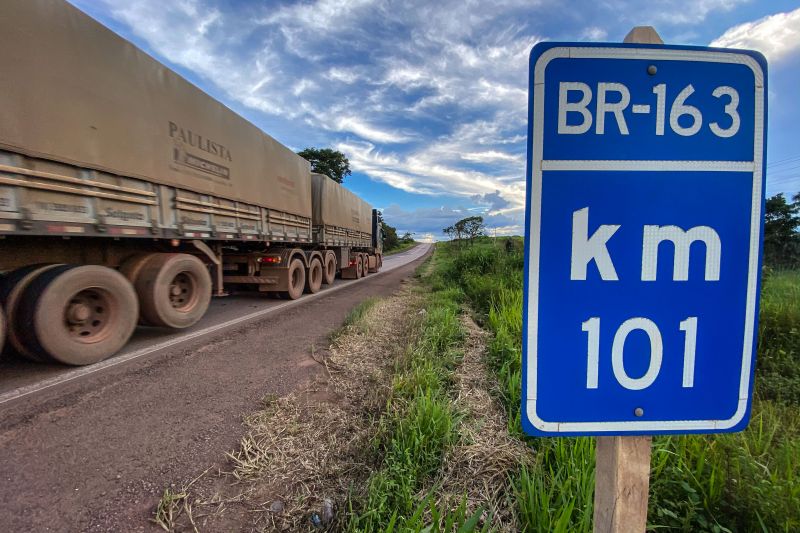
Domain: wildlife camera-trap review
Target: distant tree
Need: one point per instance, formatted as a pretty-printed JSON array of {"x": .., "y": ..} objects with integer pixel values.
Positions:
[
  {"x": 781, "y": 237},
  {"x": 472, "y": 227},
  {"x": 466, "y": 228},
  {"x": 407, "y": 237},
  {"x": 332, "y": 163},
  {"x": 458, "y": 227},
  {"x": 455, "y": 231}
]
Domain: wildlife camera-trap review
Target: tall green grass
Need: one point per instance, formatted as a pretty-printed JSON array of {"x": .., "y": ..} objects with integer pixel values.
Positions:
[
  {"x": 419, "y": 425},
  {"x": 778, "y": 365},
  {"x": 748, "y": 481}
]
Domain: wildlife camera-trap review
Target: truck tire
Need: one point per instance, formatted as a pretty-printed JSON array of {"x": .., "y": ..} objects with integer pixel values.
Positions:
[
  {"x": 77, "y": 315},
  {"x": 13, "y": 286},
  {"x": 2, "y": 329},
  {"x": 297, "y": 280},
  {"x": 314, "y": 276},
  {"x": 329, "y": 272},
  {"x": 174, "y": 290},
  {"x": 367, "y": 270},
  {"x": 359, "y": 267},
  {"x": 131, "y": 268}
]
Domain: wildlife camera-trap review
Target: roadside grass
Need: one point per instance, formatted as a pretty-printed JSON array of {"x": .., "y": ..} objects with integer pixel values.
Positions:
[
  {"x": 442, "y": 455},
  {"x": 355, "y": 318},
  {"x": 402, "y": 247},
  {"x": 747, "y": 481},
  {"x": 779, "y": 338},
  {"x": 418, "y": 425}
]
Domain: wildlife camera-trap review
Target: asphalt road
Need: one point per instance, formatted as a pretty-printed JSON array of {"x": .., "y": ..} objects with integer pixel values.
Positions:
[{"x": 92, "y": 449}]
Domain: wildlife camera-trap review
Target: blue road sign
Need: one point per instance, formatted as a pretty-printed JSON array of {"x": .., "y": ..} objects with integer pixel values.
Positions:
[{"x": 644, "y": 229}]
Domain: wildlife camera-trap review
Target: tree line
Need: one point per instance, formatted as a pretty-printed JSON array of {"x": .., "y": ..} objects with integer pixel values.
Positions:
[
  {"x": 781, "y": 237},
  {"x": 466, "y": 228}
]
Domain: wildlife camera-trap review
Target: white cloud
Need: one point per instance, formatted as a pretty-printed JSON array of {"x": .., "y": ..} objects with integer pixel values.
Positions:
[
  {"x": 348, "y": 75},
  {"x": 594, "y": 34},
  {"x": 425, "y": 237},
  {"x": 682, "y": 12},
  {"x": 491, "y": 156},
  {"x": 323, "y": 15},
  {"x": 369, "y": 132},
  {"x": 775, "y": 36}
]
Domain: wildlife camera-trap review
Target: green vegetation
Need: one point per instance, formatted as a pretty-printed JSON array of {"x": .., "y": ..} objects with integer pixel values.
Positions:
[
  {"x": 355, "y": 318},
  {"x": 781, "y": 237},
  {"x": 778, "y": 366},
  {"x": 418, "y": 425},
  {"x": 747, "y": 481}
]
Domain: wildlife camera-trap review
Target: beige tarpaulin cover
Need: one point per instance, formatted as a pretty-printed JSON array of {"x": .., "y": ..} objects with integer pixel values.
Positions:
[
  {"x": 73, "y": 91},
  {"x": 336, "y": 206}
]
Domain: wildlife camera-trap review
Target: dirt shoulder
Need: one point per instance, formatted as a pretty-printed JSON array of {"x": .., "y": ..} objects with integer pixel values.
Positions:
[
  {"x": 304, "y": 454},
  {"x": 334, "y": 455},
  {"x": 98, "y": 458}
]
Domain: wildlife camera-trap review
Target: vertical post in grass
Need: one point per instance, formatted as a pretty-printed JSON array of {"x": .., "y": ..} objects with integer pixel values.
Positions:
[
  {"x": 622, "y": 469},
  {"x": 622, "y": 481}
]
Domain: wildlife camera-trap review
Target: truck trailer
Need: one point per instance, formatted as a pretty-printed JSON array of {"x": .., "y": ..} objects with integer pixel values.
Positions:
[{"x": 129, "y": 196}]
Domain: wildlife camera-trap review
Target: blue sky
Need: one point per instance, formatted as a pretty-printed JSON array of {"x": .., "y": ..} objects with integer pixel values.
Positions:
[{"x": 429, "y": 99}]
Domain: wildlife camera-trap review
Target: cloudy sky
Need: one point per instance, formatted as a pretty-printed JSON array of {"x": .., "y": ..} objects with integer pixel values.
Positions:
[{"x": 429, "y": 99}]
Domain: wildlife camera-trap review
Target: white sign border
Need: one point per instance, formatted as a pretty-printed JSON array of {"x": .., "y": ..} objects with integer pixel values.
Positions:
[{"x": 536, "y": 151}]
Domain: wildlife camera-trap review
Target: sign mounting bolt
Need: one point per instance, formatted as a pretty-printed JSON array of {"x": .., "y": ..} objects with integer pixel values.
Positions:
[
  {"x": 652, "y": 70},
  {"x": 638, "y": 411}
]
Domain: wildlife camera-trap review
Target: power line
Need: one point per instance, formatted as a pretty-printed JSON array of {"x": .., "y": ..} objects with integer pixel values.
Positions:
[
  {"x": 783, "y": 161},
  {"x": 789, "y": 184},
  {"x": 785, "y": 172}
]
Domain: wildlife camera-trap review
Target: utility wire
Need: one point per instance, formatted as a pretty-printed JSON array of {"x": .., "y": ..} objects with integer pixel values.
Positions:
[{"x": 783, "y": 161}]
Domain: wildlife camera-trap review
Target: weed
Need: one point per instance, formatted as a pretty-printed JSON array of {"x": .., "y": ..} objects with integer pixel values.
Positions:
[{"x": 170, "y": 506}]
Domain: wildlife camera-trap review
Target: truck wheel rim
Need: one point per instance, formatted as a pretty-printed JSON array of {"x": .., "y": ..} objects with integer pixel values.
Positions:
[
  {"x": 183, "y": 292},
  {"x": 88, "y": 314}
]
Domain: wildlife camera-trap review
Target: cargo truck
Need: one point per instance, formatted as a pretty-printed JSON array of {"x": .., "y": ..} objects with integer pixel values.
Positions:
[{"x": 129, "y": 196}]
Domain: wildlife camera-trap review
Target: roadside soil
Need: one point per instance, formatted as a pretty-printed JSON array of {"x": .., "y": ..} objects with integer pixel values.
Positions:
[
  {"x": 304, "y": 454},
  {"x": 98, "y": 456}
]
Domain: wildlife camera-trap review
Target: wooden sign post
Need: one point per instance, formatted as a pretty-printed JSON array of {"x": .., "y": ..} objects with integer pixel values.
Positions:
[{"x": 622, "y": 464}]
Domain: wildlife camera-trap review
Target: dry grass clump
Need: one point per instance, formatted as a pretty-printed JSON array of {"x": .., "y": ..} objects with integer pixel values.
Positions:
[{"x": 479, "y": 468}]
